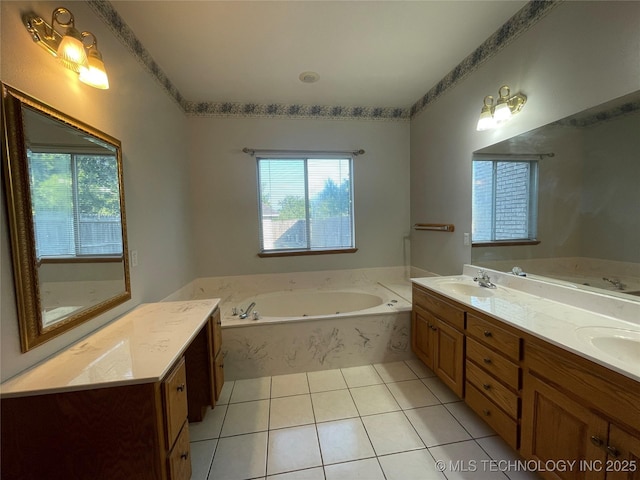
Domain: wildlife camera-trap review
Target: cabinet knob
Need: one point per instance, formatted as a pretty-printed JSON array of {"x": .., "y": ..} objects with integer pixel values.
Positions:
[
  {"x": 486, "y": 360},
  {"x": 613, "y": 451},
  {"x": 487, "y": 333},
  {"x": 486, "y": 412},
  {"x": 180, "y": 387},
  {"x": 486, "y": 386},
  {"x": 219, "y": 322},
  {"x": 184, "y": 456},
  {"x": 597, "y": 441}
]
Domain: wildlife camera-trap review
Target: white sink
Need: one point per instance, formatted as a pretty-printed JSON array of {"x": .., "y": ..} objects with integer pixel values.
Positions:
[
  {"x": 619, "y": 343},
  {"x": 467, "y": 289}
]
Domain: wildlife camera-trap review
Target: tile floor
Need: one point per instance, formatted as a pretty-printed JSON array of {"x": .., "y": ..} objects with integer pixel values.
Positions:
[{"x": 390, "y": 421}]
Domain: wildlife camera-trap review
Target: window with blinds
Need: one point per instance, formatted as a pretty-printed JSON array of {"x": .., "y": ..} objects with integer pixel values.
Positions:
[
  {"x": 306, "y": 204},
  {"x": 75, "y": 204},
  {"x": 505, "y": 198}
]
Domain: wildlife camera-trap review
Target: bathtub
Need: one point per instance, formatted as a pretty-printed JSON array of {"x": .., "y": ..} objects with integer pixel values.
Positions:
[
  {"x": 310, "y": 321},
  {"x": 298, "y": 305}
]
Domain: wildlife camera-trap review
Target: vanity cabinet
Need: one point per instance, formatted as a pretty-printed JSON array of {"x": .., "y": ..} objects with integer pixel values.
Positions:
[
  {"x": 437, "y": 337},
  {"x": 554, "y": 406},
  {"x": 131, "y": 427},
  {"x": 574, "y": 409}
]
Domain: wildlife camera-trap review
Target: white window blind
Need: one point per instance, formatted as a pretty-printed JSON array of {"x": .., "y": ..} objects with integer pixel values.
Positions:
[
  {"x": 75, "y": 204},
  {"x": 505, "y": 194},
  {"x": 305, "y": 204}
]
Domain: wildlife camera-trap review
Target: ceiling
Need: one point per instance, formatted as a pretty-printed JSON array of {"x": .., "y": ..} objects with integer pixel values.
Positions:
[{"x": 385, "y": 53}]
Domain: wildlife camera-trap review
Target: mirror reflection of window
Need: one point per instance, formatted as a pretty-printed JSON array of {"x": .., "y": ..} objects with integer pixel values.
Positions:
[
  {"x": 505, "y": 198},
  {"x": 76, "y": 204}
]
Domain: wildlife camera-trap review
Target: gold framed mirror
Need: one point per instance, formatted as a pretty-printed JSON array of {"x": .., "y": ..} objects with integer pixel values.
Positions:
[{"x": 65, "y": 203}]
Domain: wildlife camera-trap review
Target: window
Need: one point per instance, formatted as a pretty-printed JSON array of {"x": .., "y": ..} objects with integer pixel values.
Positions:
[
  {"x": 306, "y": 204},
  {"x": 76, "y": 204},
  {"x": 505, "y": 197}
]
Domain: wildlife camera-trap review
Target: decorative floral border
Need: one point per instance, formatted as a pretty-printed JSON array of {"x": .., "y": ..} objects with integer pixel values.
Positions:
[
  {"x": 601, "y": 116},
  {"x": 526, "y": 17}
]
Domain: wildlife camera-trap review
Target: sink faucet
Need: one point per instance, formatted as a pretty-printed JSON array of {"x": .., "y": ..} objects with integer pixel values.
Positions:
[
  {"x": 246, "y": 313},
  {"x": 615, "y": 282},
  {"x": 484, "y": 280}
]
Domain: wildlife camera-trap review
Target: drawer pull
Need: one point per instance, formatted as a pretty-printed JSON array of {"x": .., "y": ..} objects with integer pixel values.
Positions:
[
  {"x": 433, "y": 328},
  {"x": 486, "y": 360},
  {"x": 486, "y": 386},
  {"x": 184, "y": 456},
  {"x": 486, "y": 412},
  {"x": 487, "y": 333},
  {"x": 613, "y": 451},
  {"x": 596, "y": 441},
  {"x": 180, "y": 387}
]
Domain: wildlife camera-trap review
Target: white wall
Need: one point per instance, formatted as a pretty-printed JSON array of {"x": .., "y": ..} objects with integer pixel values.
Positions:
[
  {"x": 580, "y": 55},
  {"x": 152, "y": 130},
  {"x": 224, "y": 195}
]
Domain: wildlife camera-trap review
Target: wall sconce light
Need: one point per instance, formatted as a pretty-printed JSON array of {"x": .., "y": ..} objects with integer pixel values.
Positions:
[
  {"x": 491, "y": 116},
  {"x": 69, "y": 47}
]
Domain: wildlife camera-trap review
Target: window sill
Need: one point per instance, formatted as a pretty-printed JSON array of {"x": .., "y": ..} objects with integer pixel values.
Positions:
[
  {"x": 296, "y": 253},
  {"x": 81, "y": 259},
  {"x": 505, "y": 243}
]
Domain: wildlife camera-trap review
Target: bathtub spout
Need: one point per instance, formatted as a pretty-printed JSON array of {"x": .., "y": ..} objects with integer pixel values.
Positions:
[{"x": 246, "y": 313}]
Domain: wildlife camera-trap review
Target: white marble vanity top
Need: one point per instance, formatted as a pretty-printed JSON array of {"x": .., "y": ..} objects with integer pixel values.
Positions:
[
  {"x": 609, "y": 337},
  {"x": 139, "y": 347}
]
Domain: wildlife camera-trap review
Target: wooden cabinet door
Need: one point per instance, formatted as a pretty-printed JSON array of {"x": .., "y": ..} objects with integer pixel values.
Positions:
[
  {"x": 623, "y": 462},
  {"x": 557, "y": 428},
  {"x": 219, "y": 367},
  {"x": 449, "y": 356},
  {"x": 422, "y": 336}
]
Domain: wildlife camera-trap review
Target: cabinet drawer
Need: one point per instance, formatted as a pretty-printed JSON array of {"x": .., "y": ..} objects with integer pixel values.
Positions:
[
  {"x": 492, "y": 388},
  {"x": 442, "y": 309},
  {"x": 500, "y": 367},
  {"x": 502, "y": 341},
  {"x": 175, "y": 401},
  {"x": 504, "y": 425},
  {"x": 180, "y": 456}
]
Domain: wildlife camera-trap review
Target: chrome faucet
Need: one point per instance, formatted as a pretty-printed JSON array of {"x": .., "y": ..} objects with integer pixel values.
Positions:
[
  {"x": 484, "y": 280},
  {"x": 615, "y": 282},
  {"x": 246, "y": 313}
]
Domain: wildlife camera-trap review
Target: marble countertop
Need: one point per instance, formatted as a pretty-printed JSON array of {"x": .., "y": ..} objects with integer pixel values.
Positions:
[
  {"x": 139, "y": 347},
  {"x": 556, "y": 316}
]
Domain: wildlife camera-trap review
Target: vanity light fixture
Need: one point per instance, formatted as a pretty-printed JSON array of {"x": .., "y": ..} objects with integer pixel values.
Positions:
[
  {"x": 493, "y": 115},
  {"x": 69, "y": 47}
]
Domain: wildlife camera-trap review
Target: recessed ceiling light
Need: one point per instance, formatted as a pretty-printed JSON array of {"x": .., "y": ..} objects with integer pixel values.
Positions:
[{"x": 309, "y": 77}]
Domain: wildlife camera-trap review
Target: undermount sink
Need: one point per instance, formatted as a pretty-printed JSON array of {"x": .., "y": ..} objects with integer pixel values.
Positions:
[
  {"x": 467, "y": 289},
  {"x": 619, "y": 343}
]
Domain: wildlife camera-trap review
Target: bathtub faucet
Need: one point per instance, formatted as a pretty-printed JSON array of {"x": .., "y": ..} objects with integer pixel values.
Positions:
[
  {"x": 615, "y": 282},
  {"x": 246, "y": 313}
]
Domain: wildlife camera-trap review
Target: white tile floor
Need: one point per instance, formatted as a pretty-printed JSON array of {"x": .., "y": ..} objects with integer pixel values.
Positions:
[{"x": 390, "y": 421}]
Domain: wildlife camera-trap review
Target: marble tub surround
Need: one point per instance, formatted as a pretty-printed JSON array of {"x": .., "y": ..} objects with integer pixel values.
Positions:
[
  {"x": 236, "y": 288},
  {"x": 558, "y": 314},
  {"x": 280, "y": 345},
  {"x": 139, "y": 347},
  {"x": 279, "y": 348}
]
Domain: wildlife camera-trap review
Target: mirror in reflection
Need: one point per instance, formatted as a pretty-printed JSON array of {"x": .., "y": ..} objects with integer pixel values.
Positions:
[
  {"x": 583, "y": 225},
  {"x": 66, "y": 210}
]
